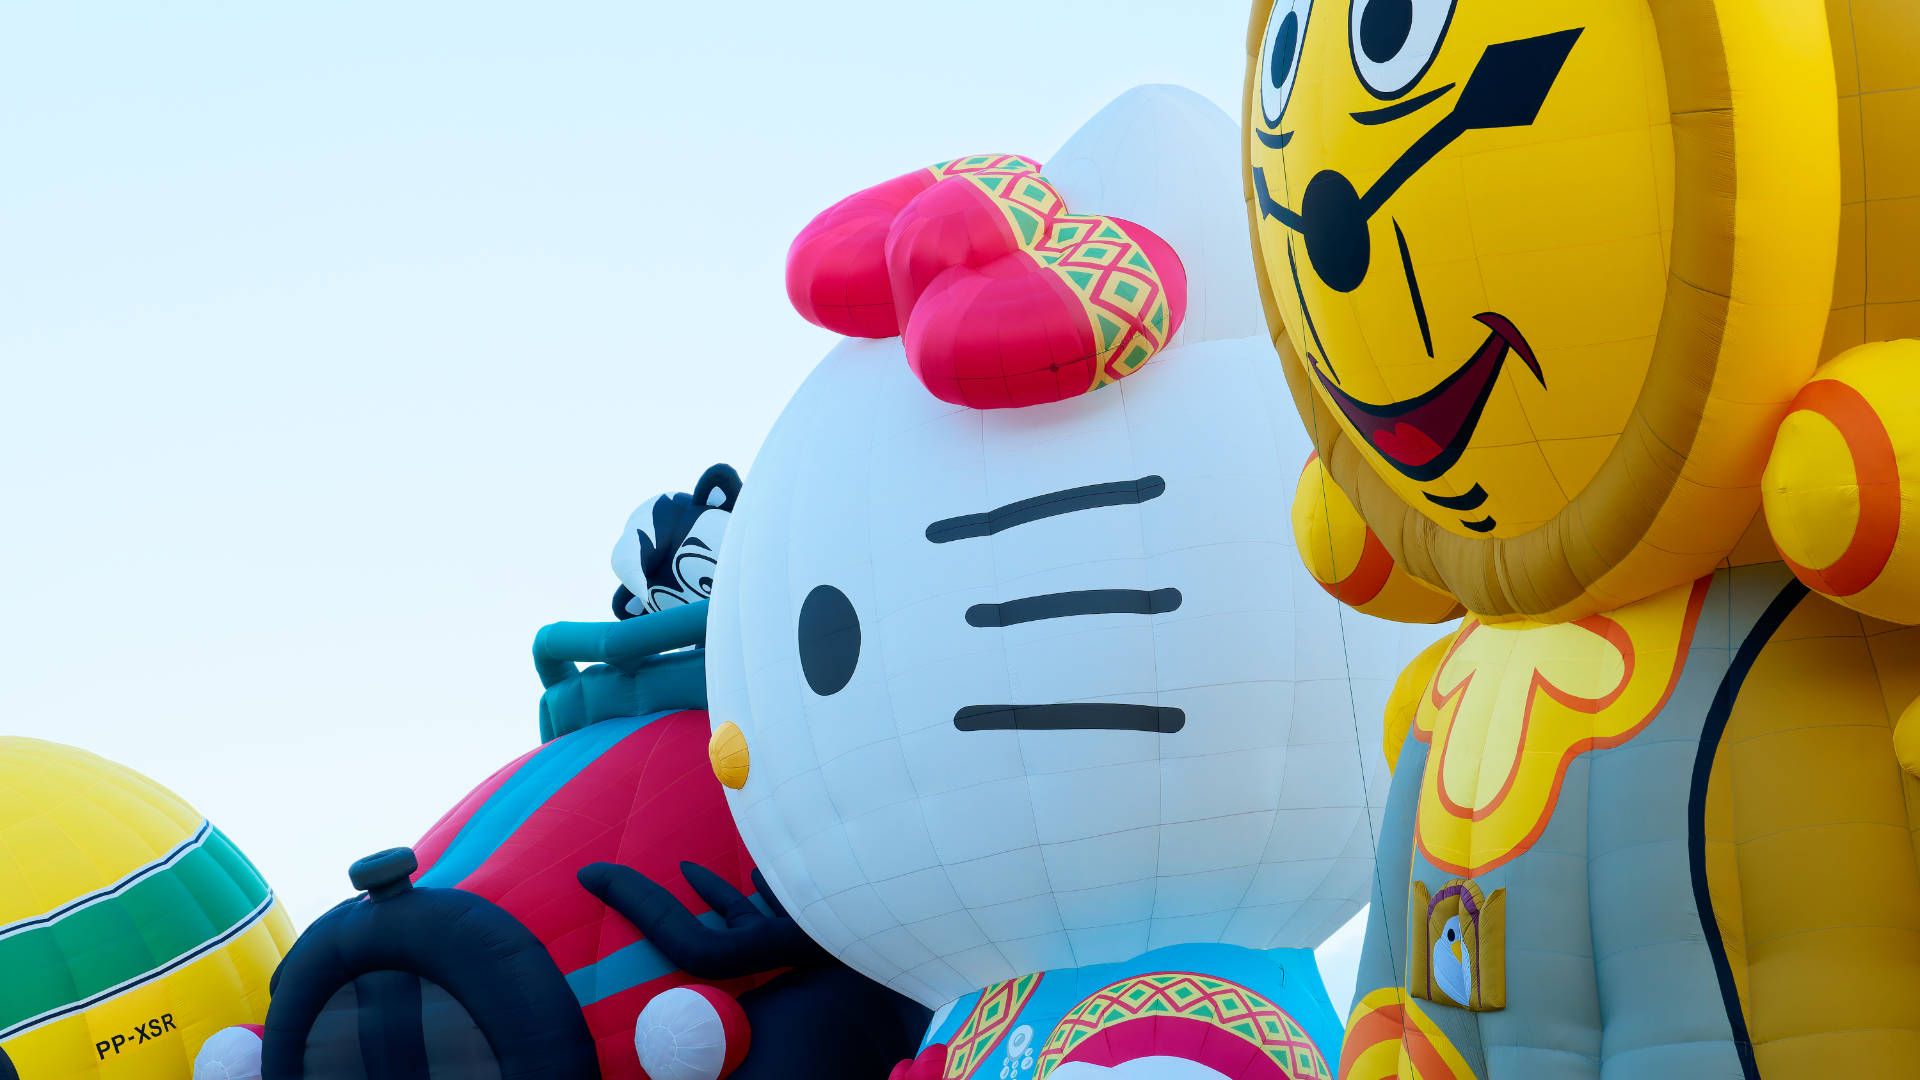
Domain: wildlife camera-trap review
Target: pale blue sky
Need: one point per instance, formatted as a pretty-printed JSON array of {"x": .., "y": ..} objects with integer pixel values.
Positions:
[{"x": 340, "y": 339}]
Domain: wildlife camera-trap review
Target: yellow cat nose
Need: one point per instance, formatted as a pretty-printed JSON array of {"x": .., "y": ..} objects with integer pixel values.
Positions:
[{"x": 728, "y": 752}]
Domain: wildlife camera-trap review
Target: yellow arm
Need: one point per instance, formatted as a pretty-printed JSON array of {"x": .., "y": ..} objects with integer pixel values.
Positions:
[
  {"x": 1350, "y": 562},
  {"x": 1841, "y": 483}
]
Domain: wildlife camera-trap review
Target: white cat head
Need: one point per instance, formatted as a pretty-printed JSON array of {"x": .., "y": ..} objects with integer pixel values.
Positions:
[{"x": 1035, "y": 687}]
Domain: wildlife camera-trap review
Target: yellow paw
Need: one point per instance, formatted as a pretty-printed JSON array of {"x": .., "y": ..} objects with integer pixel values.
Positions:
[
  {"x": 1350, "y": 562},
  {"x": 1845, "y": 466}
]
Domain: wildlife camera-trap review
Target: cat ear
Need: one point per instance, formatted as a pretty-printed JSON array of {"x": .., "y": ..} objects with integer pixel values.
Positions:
[{"x": 718, "y": 488}]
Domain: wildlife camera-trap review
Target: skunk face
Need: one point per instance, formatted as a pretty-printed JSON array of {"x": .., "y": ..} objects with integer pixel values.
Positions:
[{"x": 667, "y": 555}]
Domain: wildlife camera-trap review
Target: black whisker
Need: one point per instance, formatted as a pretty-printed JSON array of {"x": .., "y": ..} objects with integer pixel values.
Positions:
[
  {"x": 1067, "y": 604},
  {"x": 1071, "y": 716},
  {"x": 1401, "y": 108},
  {"x": 1040, "y": 507}
]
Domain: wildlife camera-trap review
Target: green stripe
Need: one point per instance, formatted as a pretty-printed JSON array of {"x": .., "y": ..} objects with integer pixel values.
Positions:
[{"x": 164, "y": 917}]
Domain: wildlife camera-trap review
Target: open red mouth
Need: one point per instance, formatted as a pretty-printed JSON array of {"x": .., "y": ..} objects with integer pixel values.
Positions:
[{"x": 1424, "y": 436}]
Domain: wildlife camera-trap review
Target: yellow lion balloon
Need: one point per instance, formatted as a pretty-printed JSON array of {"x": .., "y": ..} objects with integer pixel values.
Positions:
[
  {"x": 1595, "y": 309},
  {"x": 130, "y": 928}
]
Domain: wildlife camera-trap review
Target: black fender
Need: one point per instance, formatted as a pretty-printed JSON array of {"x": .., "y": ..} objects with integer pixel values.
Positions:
[{"x": 405, "y": 981}]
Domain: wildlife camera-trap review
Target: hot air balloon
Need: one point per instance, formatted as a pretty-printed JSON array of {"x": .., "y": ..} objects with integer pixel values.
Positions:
[
  {"x": 131, "y": 928},
  {"x": 587, "y": 912},
  {"x": 1593, "y": 313},
  {"x": 1031, "y": 712}
]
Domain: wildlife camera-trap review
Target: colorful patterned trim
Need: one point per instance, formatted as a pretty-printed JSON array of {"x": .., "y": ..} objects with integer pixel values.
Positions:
[
  {"x": 1217, "y": 1004},
  {"x": 986, "y": 166},
  {"x": 1104, "y": 267},
  {"x": 987, "y": 1024}
]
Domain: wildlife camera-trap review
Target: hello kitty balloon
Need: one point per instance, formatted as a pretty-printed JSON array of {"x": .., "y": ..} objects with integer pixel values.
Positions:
[{"x": 1024, "y": 699}]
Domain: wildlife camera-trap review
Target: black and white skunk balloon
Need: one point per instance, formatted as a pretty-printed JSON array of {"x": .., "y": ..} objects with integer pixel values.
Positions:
[{"x": 666, "y": 556}]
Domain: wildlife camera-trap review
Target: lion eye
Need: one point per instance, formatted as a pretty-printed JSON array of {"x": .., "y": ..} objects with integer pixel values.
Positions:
[
  {"x": 1395, "y": 41},
  {"x": 1280, "y": 56}
]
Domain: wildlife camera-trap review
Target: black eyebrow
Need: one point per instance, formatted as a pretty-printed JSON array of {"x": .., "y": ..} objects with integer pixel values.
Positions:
[
  {"x": 1067, "y": 604},
  {"x": 1402, "y": 108},
  {"x": 1071, "y": 716},
  {"x": 1053, "y": 504}
]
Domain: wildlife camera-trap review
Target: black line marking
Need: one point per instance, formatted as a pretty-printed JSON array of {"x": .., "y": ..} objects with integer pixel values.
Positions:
[
  {"x": 1272, "y": 140},
  {"x": 1508, "y": 87},
  {"x": 1293, "y": 265},
  {"x": 1040, "y": 507},
  {"x": 1463, "y": 503},
  {"x": 1072, "y": 716},
  {"x": 1484, "y": 525},
  {"x": 1272, "y": 207},
  {"x": 1413, "y": 288},
  {"x": 1710, "y": 734},
  {"x": 1064, "y": 605},
  {"x": 1393, "y": 112}
]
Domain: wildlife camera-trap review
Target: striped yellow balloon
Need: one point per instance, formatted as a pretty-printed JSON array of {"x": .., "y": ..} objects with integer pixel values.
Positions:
[{"x": 131, "y": 929}]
